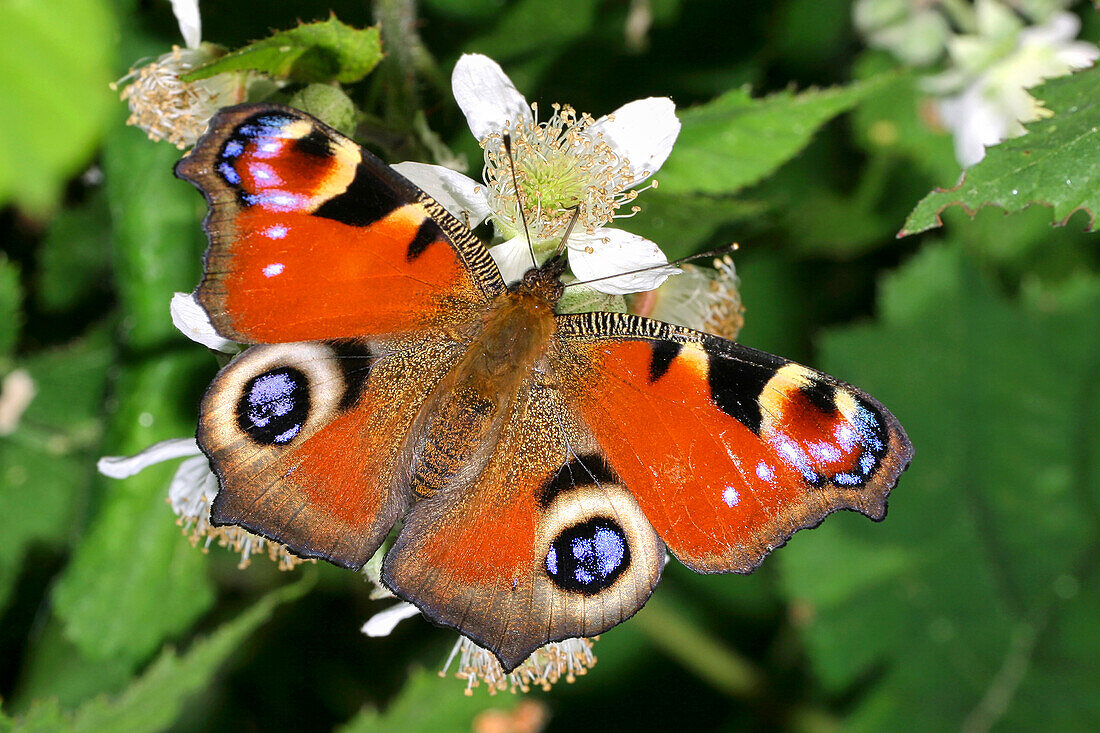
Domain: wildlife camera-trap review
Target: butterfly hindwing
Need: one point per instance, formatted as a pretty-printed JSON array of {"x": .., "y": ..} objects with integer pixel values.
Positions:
[
  {"x": 728, "y": 450},
  {"x": 312, "y": 237},
  {"x": 305, "y": 439},
  {"x": 545, "y": 544}
]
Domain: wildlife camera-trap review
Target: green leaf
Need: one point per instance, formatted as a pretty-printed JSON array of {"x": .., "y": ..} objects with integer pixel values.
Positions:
[
  {"x": 1056, "y": 164},
  {"x": 11, "y": 306},
  {"x": 429, "y": 702},
  {"x": 313, "y": 52},
  {"x": 56, "y": 669},
  {"x": 158, "y": 241},
  {"x": 154, "y": 700},
  {"x": 134, "y": 579},
  {"x": 54, "y": 100},
  {"x": 74, "y": 259},
  {"x": 48, "y": 459},
  {"x": 963, "y": 595},
  {"x": 735, "y": 140}
]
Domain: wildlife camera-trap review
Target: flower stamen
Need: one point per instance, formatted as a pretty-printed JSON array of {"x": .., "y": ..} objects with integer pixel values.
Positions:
[
  {"x": 559, "y": 167},
  {"x": 546, "y": 666}
]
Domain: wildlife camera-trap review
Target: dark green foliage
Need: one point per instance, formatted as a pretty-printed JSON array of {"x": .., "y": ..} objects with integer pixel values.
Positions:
[{"x": 972, "y": 606}]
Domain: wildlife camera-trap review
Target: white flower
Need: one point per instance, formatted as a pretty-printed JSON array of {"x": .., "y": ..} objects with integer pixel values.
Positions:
[
  {"x": 991, "y": 102},
  {"x": 543, "y": 668},
  {"x": 384, "y": 622},
  {"x": 566, "y": 164},
  {"x": 704, "y": 298},
  {"x": 190, "y": 23},
  {"x": 168, "y": 108},
  {"x": 915, "y": 32}
]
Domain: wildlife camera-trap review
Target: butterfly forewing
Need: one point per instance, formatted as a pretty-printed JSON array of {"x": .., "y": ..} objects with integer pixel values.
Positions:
[
  {"x": 312, "y": 237},
  {"x": 728, "y": 450}
]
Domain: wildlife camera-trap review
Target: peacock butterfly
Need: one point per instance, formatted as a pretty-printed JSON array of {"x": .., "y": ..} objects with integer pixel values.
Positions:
[{"x": 540, "y": 463}]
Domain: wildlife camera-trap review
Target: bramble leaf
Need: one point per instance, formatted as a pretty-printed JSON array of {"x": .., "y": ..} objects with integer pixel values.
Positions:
[
  {"x": 313, "y": 53},
  {"x": 154, "y": 700},
  {"x": 1056, "y": 164},
  {"x": 736, "y": 140}
]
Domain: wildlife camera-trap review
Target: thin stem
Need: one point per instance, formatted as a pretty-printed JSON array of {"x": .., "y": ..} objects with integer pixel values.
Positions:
[
  {"x": 724, "y": 668},
  {"x": 715, "y": 663}
]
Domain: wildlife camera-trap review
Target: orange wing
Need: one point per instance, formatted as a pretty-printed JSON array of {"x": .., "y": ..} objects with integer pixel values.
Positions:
[
  {"x": 312, "y": 237},
  {"x": 728, "y": 450}
]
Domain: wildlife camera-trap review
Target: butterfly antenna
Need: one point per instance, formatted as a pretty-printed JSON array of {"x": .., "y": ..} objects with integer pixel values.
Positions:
[
  {"x": 568, "y": 230},
  {"x": 675, "y": 263},
  {"x": 507, "y": 137}
]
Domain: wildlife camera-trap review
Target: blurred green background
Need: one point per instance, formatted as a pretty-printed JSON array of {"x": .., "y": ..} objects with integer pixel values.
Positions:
[{"x": 972, "y": 606}]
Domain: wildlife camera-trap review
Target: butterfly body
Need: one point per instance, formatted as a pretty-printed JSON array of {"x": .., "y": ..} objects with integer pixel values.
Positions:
[
  {"x": 460, "y": 422},
  {"x": 537, "y": 464}
]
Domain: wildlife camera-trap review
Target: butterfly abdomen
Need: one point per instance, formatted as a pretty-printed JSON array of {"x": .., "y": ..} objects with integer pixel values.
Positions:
[{"x": 458, "y": 426}]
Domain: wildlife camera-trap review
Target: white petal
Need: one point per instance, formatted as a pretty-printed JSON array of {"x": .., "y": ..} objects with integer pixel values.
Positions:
[
  {"x": 383, "y": 622},
  {"x": 487, "y": 96},
  {"x": 1059, "y": 27},
  {"x": 1078, "y": 55},
  {"x": 191, "y": 320},
  {"x": 193, "y": 479},
  {"x": 513, "y": 258},
  {"x": 643, "y": 132},
  {"x": 974, "y": 122},
  {"x": 187, "y": 15},
  {"x": 614, "y": 251},
  {"x": 165, "y": 450},
  {"x": 461, "y": 195}
]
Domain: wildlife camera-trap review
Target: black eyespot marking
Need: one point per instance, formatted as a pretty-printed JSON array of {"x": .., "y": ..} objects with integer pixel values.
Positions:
[
  {"x": 664, "y": 352},
  {"x": 274, "y": 406},
  {"x": 316, "y": 144},
  {"x": 588, "y": 557},
  {"x": 821, "y": 395},
  {"x": 585, "y": 470},
  {"x": 363, "y": 203},
  {"x": 428, "y": 232},
  {"x": 355, "y": 360},
  {"x": 736, "y": 384}
]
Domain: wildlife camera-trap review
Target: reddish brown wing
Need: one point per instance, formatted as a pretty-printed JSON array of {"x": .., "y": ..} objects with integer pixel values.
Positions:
[
  {"x": 305, "y": 439},
  {"x": 311, "y": 237},
  {"x": 728, "y": 450},
  {"x": 544, "y": 545}
]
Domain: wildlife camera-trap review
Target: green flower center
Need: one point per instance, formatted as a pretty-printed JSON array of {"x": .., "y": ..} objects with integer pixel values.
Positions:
[{"x": 562, "y": 170}]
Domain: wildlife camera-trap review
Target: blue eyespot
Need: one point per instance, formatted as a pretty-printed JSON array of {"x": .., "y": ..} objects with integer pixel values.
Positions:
[
  {"x": 588, "y": 557},
  {"x": 274, "y": 406}
]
